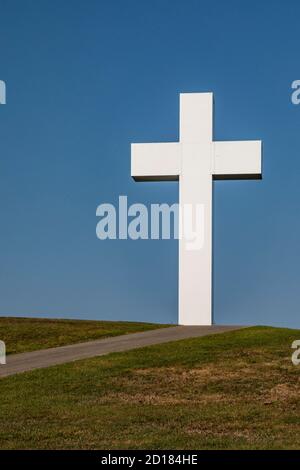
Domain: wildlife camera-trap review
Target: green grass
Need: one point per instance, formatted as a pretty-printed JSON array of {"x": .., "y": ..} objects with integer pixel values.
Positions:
[
  {"x": 238, "y": 390},
  {"x": 30, "y": 334}
]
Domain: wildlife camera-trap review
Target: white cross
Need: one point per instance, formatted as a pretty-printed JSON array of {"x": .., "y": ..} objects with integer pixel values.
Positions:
[{"x": 195, "y": 160}]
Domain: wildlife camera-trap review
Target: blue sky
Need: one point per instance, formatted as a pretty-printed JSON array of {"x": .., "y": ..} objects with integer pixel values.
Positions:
[{"x": 86, "y": 78}]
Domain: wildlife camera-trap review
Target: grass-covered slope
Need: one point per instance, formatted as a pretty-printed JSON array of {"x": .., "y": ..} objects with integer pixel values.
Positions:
[
  {"x": 236, "y": 390},
  {"x": 29, "y": 334}
]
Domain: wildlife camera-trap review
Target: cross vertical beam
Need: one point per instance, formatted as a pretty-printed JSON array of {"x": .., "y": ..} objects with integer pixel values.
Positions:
[{"x": 195, "y": 188}]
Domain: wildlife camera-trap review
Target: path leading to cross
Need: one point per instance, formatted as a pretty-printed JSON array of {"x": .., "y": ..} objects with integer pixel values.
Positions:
[{"x": 18, "y": 363}]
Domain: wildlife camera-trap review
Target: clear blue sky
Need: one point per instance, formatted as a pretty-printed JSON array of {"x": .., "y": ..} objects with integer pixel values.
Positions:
[{"x": 86, "y": 78}]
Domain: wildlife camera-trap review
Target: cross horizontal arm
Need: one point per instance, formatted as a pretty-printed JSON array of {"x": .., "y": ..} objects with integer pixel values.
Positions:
[
  {"x": 155, "y": 162},
  {"x": 237, "y": 160}
]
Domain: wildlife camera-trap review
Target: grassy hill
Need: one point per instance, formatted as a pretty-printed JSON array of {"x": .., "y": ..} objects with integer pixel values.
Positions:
[
  {"x": 30, "y": 334},
  {"x": 237, "y": 390}
]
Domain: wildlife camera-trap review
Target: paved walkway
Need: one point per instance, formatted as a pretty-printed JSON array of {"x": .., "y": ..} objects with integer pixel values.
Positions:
[{"x": 17, "y": 363}]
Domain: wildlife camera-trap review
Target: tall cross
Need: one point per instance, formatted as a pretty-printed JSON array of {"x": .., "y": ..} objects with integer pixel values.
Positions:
[{"x": 195, "y": 161}]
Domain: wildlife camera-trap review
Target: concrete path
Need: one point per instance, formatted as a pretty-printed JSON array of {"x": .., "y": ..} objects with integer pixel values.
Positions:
[{"x": 17, "y": 363}]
